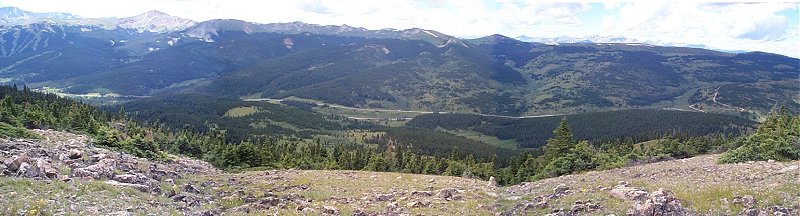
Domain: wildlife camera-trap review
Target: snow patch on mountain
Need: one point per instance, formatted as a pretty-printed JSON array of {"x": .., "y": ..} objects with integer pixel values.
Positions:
[
  {"x": 156, "y": 22},
  {"x": 11, "y": 16}
]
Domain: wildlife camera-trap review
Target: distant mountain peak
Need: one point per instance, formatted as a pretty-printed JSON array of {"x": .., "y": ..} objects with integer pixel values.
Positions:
[
  {"x": 155, "y": 21},
  {"x": 10, "y": 16}
]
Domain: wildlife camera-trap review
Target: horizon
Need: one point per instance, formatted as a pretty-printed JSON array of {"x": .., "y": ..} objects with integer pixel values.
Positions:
[{"x": 766, "y": 27}]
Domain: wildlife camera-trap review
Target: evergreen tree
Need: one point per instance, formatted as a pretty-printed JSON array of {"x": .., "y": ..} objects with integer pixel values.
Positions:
[{"x": 561, "y": 143}]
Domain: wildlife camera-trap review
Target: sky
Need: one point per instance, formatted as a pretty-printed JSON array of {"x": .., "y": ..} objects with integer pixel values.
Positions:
[{"x": 768, "y": 26}]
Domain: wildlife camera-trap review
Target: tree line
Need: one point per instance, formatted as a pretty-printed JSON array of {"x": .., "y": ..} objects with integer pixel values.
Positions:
[{"x": 563, "y": 154}]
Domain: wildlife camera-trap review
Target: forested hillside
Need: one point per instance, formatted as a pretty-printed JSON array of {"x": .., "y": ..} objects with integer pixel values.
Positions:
[
  {"x": 412, "y": 69},
  {"x": 639, "y": 125},
  {"x": 395, "y": 149}
]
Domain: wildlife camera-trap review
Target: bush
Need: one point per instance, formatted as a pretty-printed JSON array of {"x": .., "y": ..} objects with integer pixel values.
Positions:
[{"x": 778, "y": 138}]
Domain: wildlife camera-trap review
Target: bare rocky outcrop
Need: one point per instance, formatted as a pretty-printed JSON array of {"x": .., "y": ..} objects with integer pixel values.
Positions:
[
  {"x": 660, "y": 202},
  {"x": 44, "y": 159},
  {"x": 625, "y": 192}
]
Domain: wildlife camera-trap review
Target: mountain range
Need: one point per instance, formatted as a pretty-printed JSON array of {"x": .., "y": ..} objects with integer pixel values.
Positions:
[{"x": 416, "y": 69}]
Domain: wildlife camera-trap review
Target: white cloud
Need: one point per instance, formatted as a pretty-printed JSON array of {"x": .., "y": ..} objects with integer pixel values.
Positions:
[{"x": 736, "y": 26}]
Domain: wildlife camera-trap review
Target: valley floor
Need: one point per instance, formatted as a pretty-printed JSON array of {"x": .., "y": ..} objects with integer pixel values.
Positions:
[{"x": 691, "y": 186}]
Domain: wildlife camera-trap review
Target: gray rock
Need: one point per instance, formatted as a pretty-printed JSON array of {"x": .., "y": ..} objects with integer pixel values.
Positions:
[
  {"x": 139, "y": 187},
  {"x": 75, "y": 154},
  {"x": 177, "y": 197},
  {"x": 746, "y": 200},
  {"x": 779, "y": 210},
  {"x": 628, "y": 193},
  {"x": 270, "y": 201},
  {"x": 102, "y": 169},
  {"x": 190, "y": 189},
  {"x": 492, "y": 182},
  {"x": 421, "y": 193},
  {"x": 330, "y": 210},
  {"x": 420, "y": 204},
  {"x": 15, "y": 163},
  {"x": 447, "y": 193},
  {"x": 45, "y": 169},
  {"x": 25, "y": 170},
  {"x": 753, "y": 212},
  {"x": 560, "y": 191},
  {"x": 661, "y": 202},
  {"x": 383, "y": 197}
]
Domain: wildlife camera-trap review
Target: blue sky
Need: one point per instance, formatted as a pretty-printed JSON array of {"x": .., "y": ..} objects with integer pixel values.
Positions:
[{"x": 770, "y": 27}]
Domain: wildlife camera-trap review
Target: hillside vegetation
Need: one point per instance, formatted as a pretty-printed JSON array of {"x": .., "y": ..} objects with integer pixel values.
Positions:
[{"x": 408, "y": 69}]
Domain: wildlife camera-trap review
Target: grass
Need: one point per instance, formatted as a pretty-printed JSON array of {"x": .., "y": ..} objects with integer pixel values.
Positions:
[
  {"x": 76, "y": 197},
  {"x": 491, "y": 140},
  {"x": 241, "y": 111}
]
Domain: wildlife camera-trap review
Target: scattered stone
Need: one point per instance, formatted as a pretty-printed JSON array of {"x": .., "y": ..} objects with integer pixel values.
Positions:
[
  {"x": 559, "y": 191},
  {"x": 447, "y": 193},
  {"x": 46, "y": 169},
  {"x": 628, "y": 193},
  {"x": 780, "y": 211},
  {"x": 75, "y": 154},
  {"x": 25, "y": 170},
  {"x": 584, "y": 206},
  {"x": 209, "y": 183},
  {"x": 492, "y": 182},
  {"x": 178, "y": 197},
  {"x": 359, "y": 212},
  {"x": 421, "y": 194},
  {"x": 142, "y": 188},
  {"x": 753, "y": 212},
  {"x": 270, "y": 201},
  {"x": 746, "y": 200},
  {"x": 15, "y": 163},
  {"x": 383, "y": 197},
  {"x": 190, "y": 189},
  {"x": 419, "y": 204},
  {"x": 103, "y": 169},
  {"x": 330, "y": 210},
  {"x": 661, "y": 202}
]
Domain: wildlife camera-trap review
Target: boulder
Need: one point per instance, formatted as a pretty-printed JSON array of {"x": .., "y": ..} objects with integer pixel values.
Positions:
[
  {"x": 142, "y": 188},
  {"x": 15, "y": 163},
  {"x": 45, "y": 169},
  {"x": 102, "y": 169},
  {"x": 383, "y": 197},
  {"x": 628, "y": 193},
  {"x": 560, "y": 189},
  {"x": 330, "y": 210},
  {"x": 421, "y": 193},
  {"x": 584, "y": 206},
  {"x": 660, "y": 202},
  {"x": 136, "y": 179},
  {"x": 177, "y": 197},
  {"x": 746, "y": 200},
  {"x": 75, "y": 154},
  {"x": 270, "y": 201},
  {"x": 359, "y": 212},
  {"x": 190, "y": 189},
  {"x": 447, "y": 193},
  {"x": 25, "y": 170},
  {"x": 753, "y": 212},
  {"x": 492, "y": 182},
  {"x": 780, "y": 211},
  {"x": 419, "y": 204}
]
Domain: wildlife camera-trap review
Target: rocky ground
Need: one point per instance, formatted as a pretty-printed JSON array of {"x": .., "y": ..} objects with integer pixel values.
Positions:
[{"x": 64, "y": 175}]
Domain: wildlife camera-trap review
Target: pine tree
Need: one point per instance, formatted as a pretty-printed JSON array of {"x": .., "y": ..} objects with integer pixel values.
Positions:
[{"x": 561, "y": 143}]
